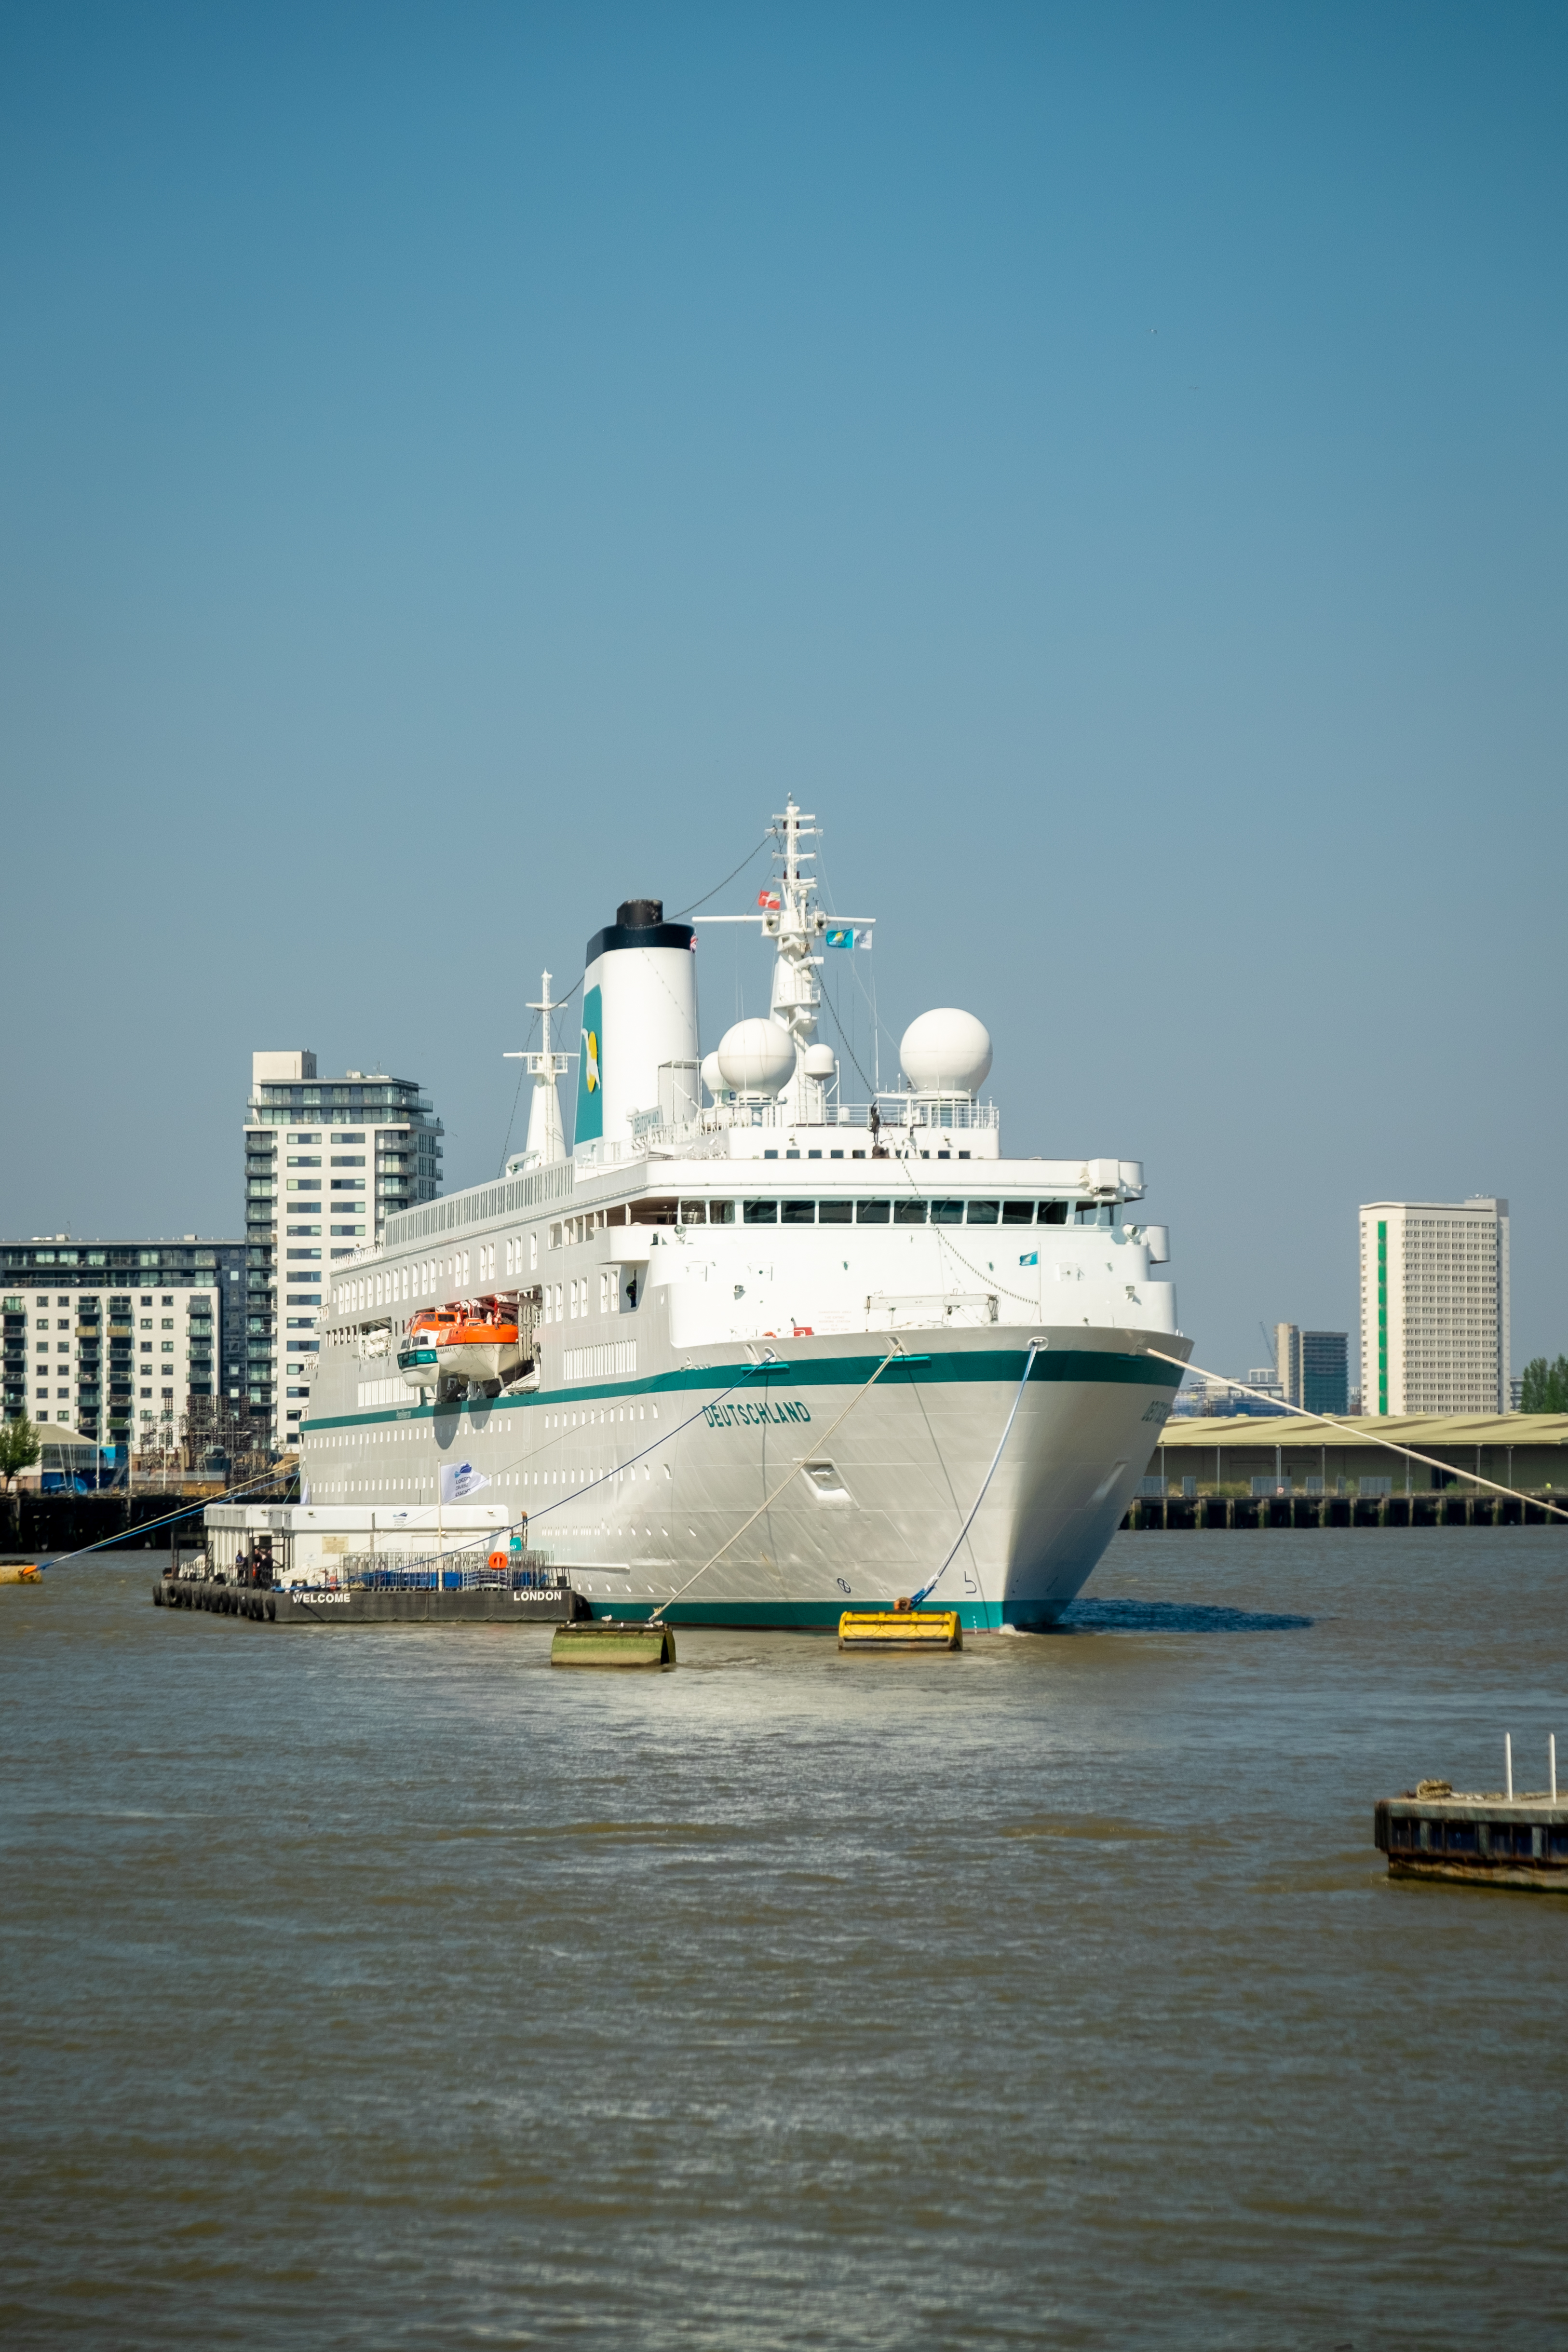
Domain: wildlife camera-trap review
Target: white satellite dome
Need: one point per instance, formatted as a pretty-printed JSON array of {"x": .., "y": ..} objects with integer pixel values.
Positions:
[
  {"x": 756, "y": 1058},
  {"x": 820, "y": 1062},
  {"x": 712, "y": 1075},
  {"x": 946, "y": 1053}
]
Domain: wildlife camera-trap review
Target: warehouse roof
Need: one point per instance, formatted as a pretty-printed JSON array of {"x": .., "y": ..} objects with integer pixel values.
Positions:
[{"x": 1422, "y": 1430}]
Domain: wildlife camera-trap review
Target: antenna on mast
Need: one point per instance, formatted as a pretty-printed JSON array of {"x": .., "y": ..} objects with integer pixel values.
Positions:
[{"x": 546, "y": 1136}]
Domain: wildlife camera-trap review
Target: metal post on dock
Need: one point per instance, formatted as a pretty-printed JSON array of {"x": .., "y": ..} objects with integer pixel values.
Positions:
[
  {"x": 1508, "y": 1764},
  {"x": 1552, "y": 1762}
]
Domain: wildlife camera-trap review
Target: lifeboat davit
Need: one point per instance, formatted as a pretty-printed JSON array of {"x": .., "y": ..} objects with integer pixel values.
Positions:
[{"x": 476, "y": 1343}]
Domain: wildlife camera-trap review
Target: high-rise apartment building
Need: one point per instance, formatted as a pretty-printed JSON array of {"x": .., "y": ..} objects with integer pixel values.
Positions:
[
  {"x": 1435, "y": 1306},
  {"x": 327, "y": 1161},
  {"x": 1326, "y": 1370},
  {"x": 1313, "y": 1368}
]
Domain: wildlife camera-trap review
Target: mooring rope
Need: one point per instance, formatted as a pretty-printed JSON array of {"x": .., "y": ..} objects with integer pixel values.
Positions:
[
  {"x": 926, "y": 1590},
  {"x": 145, "y": 1526},
  {"x": 1360, "y": 1436}
]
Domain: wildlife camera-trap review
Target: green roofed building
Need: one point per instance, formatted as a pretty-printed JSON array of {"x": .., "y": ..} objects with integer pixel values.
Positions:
[{"x": 1528, "y": 1451}]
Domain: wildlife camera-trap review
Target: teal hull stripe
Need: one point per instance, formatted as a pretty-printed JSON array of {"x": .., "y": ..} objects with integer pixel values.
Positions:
[
  {"x": 781, "y": 1616},
  {"x": 1076, "y": 1366}
]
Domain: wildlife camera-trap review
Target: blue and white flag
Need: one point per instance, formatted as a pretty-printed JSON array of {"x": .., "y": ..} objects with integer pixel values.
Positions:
[
  {"x": 459, "y": 1480},
  {"x": 838, "y": 935},
  {"x": 1030, "y": 1257}
]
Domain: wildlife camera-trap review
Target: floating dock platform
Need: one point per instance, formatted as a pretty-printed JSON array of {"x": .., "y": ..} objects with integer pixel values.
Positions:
[
  {"x": 1480, "y": 1838},
  {"x": 358, "y": 1604}
]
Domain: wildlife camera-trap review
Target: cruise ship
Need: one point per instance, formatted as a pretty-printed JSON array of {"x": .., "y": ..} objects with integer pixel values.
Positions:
[{"x": 750, "y": 1350}]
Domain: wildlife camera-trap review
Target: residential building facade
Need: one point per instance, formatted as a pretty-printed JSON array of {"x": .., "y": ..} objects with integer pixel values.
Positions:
[
  {"x": 1325, "y": 1372},
  {"x": 327, "y": 1161},
  {"x": 115, "y": 1339},
  {"x": 1312, "y": 1368},
  {"x": 1435, "y": 1334}
]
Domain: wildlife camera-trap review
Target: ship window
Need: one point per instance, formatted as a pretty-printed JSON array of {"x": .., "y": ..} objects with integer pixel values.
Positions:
[
  {"x": 694, "y": 1213},
  {"x": 835, "y": 1213},
  {"x": 799, "y": 1212},
  {"x": 1053, "y": 1213},
  {"x": 761, "y": 1212},
  {"x": 947, "y": 1213},
  {"x": 720, "y": 1213},
  {"x": 873, "y": 1212},
  {"x": 984, "y": 1212},
  {"x": 654, "y": 1212},
  {"x": 1093, "y": 1213},
  {"x": 1018, "y": 1213},
  {"x": 908, "y": 1213}
]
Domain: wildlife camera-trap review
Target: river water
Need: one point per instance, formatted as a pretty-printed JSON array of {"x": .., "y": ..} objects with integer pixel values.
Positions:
[{"x": 387, "y": 1988}]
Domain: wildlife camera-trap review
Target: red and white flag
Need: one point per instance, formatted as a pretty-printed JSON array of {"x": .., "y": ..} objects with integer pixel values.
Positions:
[{"x": 770, "y": 899}]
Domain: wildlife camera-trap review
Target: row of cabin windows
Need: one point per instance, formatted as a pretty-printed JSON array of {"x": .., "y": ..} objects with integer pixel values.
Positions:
[
  {"x": 900, "y": 1211},
  {"x": 454, "y": 1275}
]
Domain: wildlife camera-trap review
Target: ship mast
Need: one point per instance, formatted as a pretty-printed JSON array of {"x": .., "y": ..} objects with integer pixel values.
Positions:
[
  {"x": 797, "y": 997},
  {"x": 546, "y": 1136}
]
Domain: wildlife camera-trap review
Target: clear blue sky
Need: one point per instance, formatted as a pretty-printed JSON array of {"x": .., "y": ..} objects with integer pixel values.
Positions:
[{"x": 460, "y": 466}]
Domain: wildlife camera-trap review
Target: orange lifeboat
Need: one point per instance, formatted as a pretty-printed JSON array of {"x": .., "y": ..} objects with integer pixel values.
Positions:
[{"x": 477, "y": 1341}]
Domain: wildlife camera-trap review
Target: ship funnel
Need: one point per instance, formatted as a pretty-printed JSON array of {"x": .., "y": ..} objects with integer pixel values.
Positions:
[{"x": 639, "y": 1018}]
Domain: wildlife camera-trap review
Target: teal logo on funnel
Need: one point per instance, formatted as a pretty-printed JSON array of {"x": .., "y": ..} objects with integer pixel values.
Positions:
[{"x": 590, "y": 1123}]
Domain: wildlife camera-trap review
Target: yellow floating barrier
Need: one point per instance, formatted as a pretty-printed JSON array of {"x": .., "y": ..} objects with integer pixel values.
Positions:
[
  {"x": 901, "y": 1628},
  {"x": 19, "y": 1576},
  {"x": 611, "y": 1642}
]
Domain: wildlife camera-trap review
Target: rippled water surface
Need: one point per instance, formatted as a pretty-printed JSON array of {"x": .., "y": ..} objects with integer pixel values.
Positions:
[{"x": 386, "y": 1989}]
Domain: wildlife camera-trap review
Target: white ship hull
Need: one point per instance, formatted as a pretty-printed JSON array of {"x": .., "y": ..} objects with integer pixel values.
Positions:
[{"x": 636, "y": 1486}]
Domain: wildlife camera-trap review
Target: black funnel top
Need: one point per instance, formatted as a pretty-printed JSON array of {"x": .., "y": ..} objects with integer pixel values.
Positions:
[{"x": 639, "y": 914}]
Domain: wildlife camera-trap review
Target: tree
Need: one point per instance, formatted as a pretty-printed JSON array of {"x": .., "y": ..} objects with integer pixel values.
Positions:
[
  {"x": 1544, "y": 1387},
  {"x": 19, "y": 1448}
]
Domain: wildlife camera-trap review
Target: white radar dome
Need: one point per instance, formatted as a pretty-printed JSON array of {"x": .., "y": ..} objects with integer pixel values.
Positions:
[
  {"x": 820, "y": 1062},
  {"x": 946, "y": 1053},
  {"x": 756, "y": 1058},
  {"x": 712, "y": 1077}
]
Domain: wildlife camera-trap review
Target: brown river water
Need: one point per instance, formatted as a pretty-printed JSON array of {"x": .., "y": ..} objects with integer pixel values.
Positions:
[{"x": 387, "y": 1988}]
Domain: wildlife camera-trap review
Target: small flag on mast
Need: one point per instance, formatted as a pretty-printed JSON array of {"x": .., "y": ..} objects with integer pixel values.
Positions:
[{"x": 770, "y": 899}]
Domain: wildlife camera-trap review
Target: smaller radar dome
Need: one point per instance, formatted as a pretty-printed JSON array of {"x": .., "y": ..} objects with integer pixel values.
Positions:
[
  {"x": 756, "y": 1058},
  {"x": 712, "y": 1075},
  {"x": 820, "y": 1062},
  {"x": 946, "y": 1053}
]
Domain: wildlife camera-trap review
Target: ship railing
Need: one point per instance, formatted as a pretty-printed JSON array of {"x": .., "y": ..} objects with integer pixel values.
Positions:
[
  {"x": 443, "y": 1572},
  {"x": 899, "y": 1112},
  {"x": 704, "y": 1136}
]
